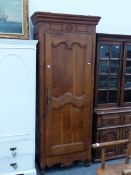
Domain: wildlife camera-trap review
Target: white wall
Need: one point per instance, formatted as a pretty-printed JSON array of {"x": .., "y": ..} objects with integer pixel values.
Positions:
[{"x": 115, "y": 14}]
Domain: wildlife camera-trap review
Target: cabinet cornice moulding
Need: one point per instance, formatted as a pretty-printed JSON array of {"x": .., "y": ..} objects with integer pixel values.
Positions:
[{"x": 69, "y": 18}]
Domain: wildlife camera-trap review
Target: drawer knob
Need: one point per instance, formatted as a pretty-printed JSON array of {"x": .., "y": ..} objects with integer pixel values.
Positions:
[
  {"x": 13, "y": 149},
  {"x": 14, "y": 165}
]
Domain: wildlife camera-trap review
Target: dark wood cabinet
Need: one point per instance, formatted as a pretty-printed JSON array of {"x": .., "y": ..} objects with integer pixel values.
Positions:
[
  {"x": 112, "y": 101},
  {"x": 65, "y": 76}
]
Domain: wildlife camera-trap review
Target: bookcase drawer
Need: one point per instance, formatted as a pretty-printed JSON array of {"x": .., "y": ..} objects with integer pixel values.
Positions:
[
  {"x": 108, "y": 120},
  {"x": 127, "y": 119}
]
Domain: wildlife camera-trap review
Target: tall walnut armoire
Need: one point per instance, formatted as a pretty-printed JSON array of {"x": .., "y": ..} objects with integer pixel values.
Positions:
[{"x": 65, "y": 72}]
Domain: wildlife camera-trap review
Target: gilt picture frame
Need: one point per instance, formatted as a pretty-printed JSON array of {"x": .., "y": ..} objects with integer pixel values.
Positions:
[{"x": 14, "y": 20}]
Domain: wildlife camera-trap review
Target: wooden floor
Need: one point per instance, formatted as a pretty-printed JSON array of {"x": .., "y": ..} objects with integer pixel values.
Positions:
[{"x": 114, "y": 169}]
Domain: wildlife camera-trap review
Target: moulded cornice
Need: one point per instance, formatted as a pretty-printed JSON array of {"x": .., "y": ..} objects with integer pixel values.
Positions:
[{"x": 60, "y": 18}]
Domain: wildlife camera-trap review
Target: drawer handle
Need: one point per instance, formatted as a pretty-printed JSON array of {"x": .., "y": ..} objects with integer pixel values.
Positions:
[
  {"x": 13, "y": 149},
  {"x": 110, "y": 122},
  {"x": 14, "y": 165}
]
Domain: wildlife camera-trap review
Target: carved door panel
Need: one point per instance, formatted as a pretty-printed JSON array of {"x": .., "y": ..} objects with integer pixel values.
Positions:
[{"x": 69, "y": 93}]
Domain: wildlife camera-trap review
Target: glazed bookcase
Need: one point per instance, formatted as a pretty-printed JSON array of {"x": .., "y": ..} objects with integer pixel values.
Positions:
[{"x": 112, "y": 95}]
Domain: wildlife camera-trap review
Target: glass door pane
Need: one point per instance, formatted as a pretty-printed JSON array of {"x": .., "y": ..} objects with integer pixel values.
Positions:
[
  {"x": 103, "y": 82},
  {"x": 127, "y": 96},
  {"x": 127, "y": 76},
  {"x": 112, "y": 97},
  {"x": 113, "y": 82},
  {"x": 115, "y": 51},
  {"x": 113, "y": 89},
  {"x": 128, "y": 66},
  {"x": 103, "y": 67},
  {"x": 114, "y": 66},
  {"x": 104, "y": 51},
  {"x": 108, "y": 72},
  {"x": 128, "y": 52},
  {"x": 127, "y": 82},
  {"x": 102, "y": 97}
]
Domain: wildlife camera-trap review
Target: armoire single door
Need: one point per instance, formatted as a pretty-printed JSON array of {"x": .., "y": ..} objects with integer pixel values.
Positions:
[{"x": 68, "y": 93}]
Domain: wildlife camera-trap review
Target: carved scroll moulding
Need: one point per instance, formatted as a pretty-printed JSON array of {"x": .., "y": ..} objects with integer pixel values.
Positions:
[{"x": 70, "y": 28}]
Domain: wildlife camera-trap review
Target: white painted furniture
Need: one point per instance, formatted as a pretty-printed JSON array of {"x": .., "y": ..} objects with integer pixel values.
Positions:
[{"x": 17, "y": 107}]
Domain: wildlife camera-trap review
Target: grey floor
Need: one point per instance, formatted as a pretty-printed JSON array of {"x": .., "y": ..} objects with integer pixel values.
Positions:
[{"x": 78, "y": 169}]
